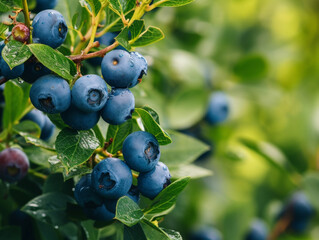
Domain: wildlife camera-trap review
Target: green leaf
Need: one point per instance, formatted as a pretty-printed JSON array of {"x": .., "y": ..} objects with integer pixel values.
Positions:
[
  {"x": 128, "y": 212},
  {"x": 54, "y": 60},
  {"x": 153, "y": 232},
  {"x": 189, "y": 170},
  {"x": 15, "y": 53},
  {"x": 28, "y": 127},
  {"x": 37, "y": 155},
  {"x": 3, "y": 28},
  {"x": 173, "y": 235},
  {"x": 57, "y": 120},
  {"x": 121, "y": 7},
  {"x": 166, "y": 199},
  {"x": 251, "y": 67},
  {"x": 173, "y": 3},
  {"x": 149, "y": 36},
  {"x": 122, "y": 38},
  {"x": 90, "y": 231},
  {"x": 94, "y": 5},
  {"x": 153, "y": 113},
  {"x": 118, "y": 133},
  {"x": 75, "y": 147},
  {"x": 14, "y": 100},
  {"x": 49, "y": 208},
  {"x": 187, "y": 107},
  {"x": 152, "y": 126},
  {"x": 34, "y": 140},
  {"x": 134, "y": 232},
  {"x": 6, "y": 5},
  {"x": 176, "y": 154},
  {"x": 136, "y": 28}
]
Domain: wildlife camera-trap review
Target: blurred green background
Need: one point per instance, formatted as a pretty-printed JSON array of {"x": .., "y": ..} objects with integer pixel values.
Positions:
[{"x": 264, "y": 56}]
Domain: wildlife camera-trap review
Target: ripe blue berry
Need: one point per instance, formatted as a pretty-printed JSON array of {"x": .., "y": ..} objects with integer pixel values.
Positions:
[
  {"x": 45, "y": 4},
  {"x": 300, "y": 210},
  {"x": 258, "y": 231},
  {"x": 33, "y": 70},
  {"x": 14, "y": 164},
  {"x": 133, "y": 194},
  {"x": 78, "y": 119},
  {"x": 141, "y": 151},
  {"x": 51, "y": 94},
  {"x": 111, "y": 178},
  {"x": 122, "y": 69},
  {"x": 47, "y": 130},
  {"x": 206, "y": 233},
  {"x": 85, "y": 195},
  {"x": 151, "y": 183},
  {"x": 89, "y": 93},
  {"x": 119, "y": 106},
  {"x": 218, "y": 108},
  {"x": 10, "y": 73},
  {"x": 35, "y": 116},
  {"x": 49, "y": 28}
]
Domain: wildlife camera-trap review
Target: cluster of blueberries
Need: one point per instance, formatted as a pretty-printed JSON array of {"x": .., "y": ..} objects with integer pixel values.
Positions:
[
  {"x": 81, "y": 107},
  {"x": 97, "y": 193}
]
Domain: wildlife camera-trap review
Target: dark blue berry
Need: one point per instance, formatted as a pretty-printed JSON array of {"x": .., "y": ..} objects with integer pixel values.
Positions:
[
  {"x": 257, "y": 231},
  {"x": 206, "y": 233},
  {"x": 33, "y": 70},
  {"x": 141, "y": 151},
  {"x": 151, "y": 183},
  {"x": 45, "y": 4},
  {"x": 47, "y": 130},
  {"x": 218, "y": 108},
  {"x": 10, "y": 73},
  {"x": 35, "y": 116},
  {"x": 119, "y": 106}
]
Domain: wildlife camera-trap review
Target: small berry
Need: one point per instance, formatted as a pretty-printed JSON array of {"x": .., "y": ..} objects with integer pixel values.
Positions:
[
  {"x": 111, "y": 178},
  {"x": 151, "y": 183},
  {"x": 21, "y": 32},
  {"x": 89, "y": 93},
  {"x": 35, "y": 116},
  {"x": 14, "y": 165},
  {"x": 119, "y": 106},
  {"x": 49, "y": 28},
  {"x": 258, "y": 231},
  {"x": 47, "y": 130},
  {"x": 218, "y": 108},
  {"x": 206, "y": 233},
  {"x": 45, "y": 4},
  {"x": 9, "y": 73},
  {"x": 141, "y": 151},
  {"x": 34, "y": 70},
  {"x": 51, "y": 94}
]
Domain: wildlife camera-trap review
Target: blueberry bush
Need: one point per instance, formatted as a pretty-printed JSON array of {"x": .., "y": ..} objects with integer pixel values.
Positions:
[
  {"x": 209, "y": 134},
  {"x": 80, "y": 158}
]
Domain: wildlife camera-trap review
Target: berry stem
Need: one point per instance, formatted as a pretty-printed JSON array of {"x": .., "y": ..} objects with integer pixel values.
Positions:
[
  {"x": 154, "y": 5},
  {"x": 37, "y": 174},
  {"x": 280, "y": 226},
  {"x": 27, "y": 16}
]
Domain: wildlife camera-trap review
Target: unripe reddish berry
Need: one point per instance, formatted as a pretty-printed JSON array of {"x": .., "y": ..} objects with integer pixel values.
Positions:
[{"x": 21, "y": 32}]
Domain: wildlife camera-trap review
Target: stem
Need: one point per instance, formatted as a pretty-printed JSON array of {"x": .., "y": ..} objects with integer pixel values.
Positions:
[
  {"x": 281, "y": 226},
  {"x": 3, "y": 80},
  {"x": 26, "y": 16},
  {"x": 37, "y": 174},
  {"x": 101, "y": 53},
  {"x": 154, "y": 5}
]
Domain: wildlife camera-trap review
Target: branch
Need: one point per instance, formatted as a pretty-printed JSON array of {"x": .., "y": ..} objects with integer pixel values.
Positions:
[
  {"x": 281, "y": 226},
  {"x": 101, "y": 53}
]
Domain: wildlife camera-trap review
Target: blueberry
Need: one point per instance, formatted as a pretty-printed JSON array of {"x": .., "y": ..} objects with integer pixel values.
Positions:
[
  {"x": 99, "y": 213},
  {"x": 85, "y": 195},
  {"x": 133, "y": 194},
  {"x": 35, "y": 116},
  {"x": 10, "y": 73},
  {"x": 49, "y": 28},
  {"x": 300, "y": 210},
  {"x": 218, "y": 108},
  {"x": 107, "y": 39},
  {"x": 33, "y": 70},
  {"x": 111, "y": 178},
  {"x": 2, "y": 95},
  {"x": 89, "y": 93},
  {"x": 119, "y": 106},
  {"x": 78, "y": 119},
  {"x": 141, "y": 151},
  {"x": 14, "y": 164},
  {"x": 122, "y": 69},
  {"x": 151, "y": 183},
  {"x": 21, "y": 32},
  {"x": 51, "y": 94},
  {"x": 45, "y": 4},
  {"x": 206, "y": 233},
  {"x": 257, "y": 231},
  {"x": 47, "y": 130}
]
